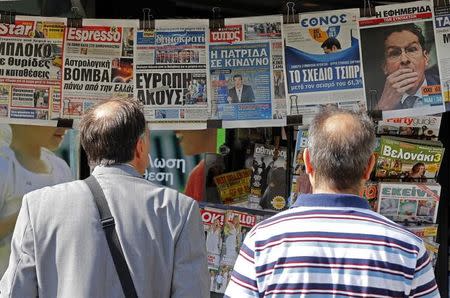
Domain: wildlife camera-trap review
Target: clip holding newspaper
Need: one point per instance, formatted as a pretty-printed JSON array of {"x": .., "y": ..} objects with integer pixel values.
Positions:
[
  {"x": 97, "y": 64},
  {"x": 30, "y": 69},
  {"x": 170, "y": 74},
  {"x": 401, "y": 79},
  {"x": 323, "y": 63},
  {"x": 246, "y": 71}
]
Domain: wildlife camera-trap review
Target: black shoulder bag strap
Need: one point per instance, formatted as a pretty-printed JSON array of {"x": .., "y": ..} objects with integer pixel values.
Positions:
[{"x": 108, "y": 225}]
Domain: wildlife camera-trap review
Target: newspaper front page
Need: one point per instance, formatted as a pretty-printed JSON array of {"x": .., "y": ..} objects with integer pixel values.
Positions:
[
  {"x": 30, "y": 69},
  {"x": 442, "y": 39},
  {"x": 401, "y": 75},
  {"x": 97, "y": 64},
  {"x": 246, "y": 71},
  {"x": 170, "y": 74},
  {"x": 323, "y": 63}
]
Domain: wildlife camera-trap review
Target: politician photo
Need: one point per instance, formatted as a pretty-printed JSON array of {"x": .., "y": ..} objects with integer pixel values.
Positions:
[
  {"x": 240, "y": 92},
  {"x": 399, "y": 61}
]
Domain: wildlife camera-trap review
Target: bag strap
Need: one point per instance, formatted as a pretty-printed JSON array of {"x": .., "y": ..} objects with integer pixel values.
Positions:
[{"x": 108, "y": 226}]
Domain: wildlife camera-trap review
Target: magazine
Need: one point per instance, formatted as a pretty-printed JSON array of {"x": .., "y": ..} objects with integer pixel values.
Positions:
[
  {"x": 424, "y": 127},
  {"x": 234, "y": 187},
  {"x": 268, "y": 187},
  {"x": 432, "y": 249},
  {"x": 370, "y": 193},
  {"x": 213, "y": 221},
  {"x": 409, "y": 202},
  {"x": 407, "y": 159},
  {"x": 237, "y": 225},
  {"x": 426, "y": 232}
]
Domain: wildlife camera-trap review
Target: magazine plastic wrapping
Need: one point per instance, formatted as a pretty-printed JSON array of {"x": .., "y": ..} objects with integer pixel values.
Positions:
[
  {"x": 323, "y": 63},
  {"x": 246, "y": 71},
  {"x": 401, "y": 78},
  {"x": 30, "y": 69},
  {"x": 170, "y": 73},
  {"x": 97, "y": 64}
]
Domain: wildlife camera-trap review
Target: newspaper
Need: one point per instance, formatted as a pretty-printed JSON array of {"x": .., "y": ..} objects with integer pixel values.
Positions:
[
  {"x": 403, "y": 159},
  {"x": 401, "y": 77},
  {"x": 97, "y": 64},
  {"x": 30, "y": 68},
  {"x": 246, "y": 71},
  {"x": 422, "y": 127},
  {"x": 442, "y": 31},
  {"x": 234, "y": 187},
  {"x": 323, "y": 63},
  {"x": 268, "y": 186},
  {"x": 170, "y": 73},
  {"x": 410, "y": 202}
]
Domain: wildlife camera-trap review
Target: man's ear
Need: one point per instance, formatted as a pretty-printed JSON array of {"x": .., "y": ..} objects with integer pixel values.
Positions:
[
  {"x": 139, "y": 150},
  {"x": 307, "y": 159},
  {"x": 369, "y": 167}
]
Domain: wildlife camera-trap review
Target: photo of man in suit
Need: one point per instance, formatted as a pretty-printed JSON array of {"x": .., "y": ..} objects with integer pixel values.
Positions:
[
  {"x": 240, "y": 92},
  {"x": 405, "y": 67}
]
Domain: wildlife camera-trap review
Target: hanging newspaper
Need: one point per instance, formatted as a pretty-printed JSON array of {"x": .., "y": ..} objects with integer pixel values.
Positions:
[
  {"x": 170, "y": 74},
  {"x": 442, "y": 31},
  {"x": 97, "y": 64},
  {"x": 322, "y": 63},
  {"x": 30, "y": 69},
  {"x": 246, "y": 71},
  {"x": 402, "y": 78},
  {"x": 409, "y": 202}
]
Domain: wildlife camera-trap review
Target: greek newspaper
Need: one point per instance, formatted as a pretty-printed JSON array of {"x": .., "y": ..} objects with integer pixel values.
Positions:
[
  {"x": 442, "y": 31},
  {"x": 323, "y": 63},
  {"x": 30, "y": 68},
  {"x": 246, "y": 71},
  {"x": 401, "y": 78},
  {"x": 97, "y": 64},
  {"x": 171, "y": 76}
]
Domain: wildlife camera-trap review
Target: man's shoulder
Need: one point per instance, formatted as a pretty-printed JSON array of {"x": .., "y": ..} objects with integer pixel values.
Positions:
[{"x": 432, "y": 75}]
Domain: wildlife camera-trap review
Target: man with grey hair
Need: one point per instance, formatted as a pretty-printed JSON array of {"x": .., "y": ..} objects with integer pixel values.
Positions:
[
  {"x": 59, "y": 248},
  {"x": 330, "y": 243}
]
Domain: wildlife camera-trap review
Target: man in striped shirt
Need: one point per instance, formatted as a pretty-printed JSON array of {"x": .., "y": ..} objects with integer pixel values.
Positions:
[{"x": 330, "y": 244}]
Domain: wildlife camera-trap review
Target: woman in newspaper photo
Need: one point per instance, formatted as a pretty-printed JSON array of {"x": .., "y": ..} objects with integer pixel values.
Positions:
[
  {"x": 232, "y": 232},
  {"x": 213, "y": 238},
  {"x": 27, "y": 163}
]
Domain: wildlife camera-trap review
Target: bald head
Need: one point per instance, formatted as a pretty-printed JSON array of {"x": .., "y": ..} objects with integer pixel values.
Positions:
[
  {"x": 106, "y": 109},
  {"x": 110, "y": 130},
  {"x": 340, "y": 145}
]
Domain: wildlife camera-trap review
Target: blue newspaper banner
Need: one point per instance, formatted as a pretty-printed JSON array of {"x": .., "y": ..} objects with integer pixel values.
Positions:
[{"x": 320, "y": 72}]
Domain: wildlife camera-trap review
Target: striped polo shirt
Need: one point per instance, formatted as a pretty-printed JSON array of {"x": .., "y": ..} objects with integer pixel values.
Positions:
[{"x": 331, "y": 245}]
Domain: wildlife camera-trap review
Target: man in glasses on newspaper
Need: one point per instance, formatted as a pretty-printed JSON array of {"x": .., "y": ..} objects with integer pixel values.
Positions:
[{"x": 406, "y": 60}]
